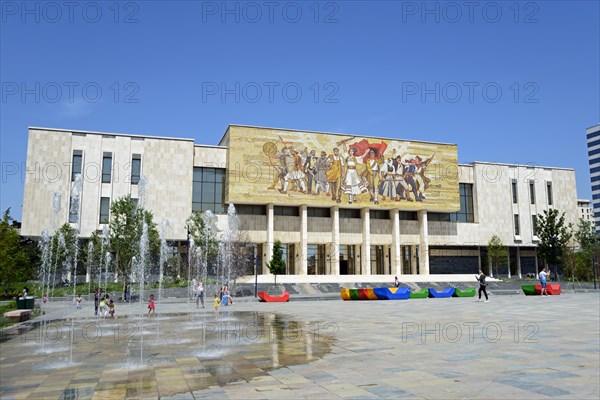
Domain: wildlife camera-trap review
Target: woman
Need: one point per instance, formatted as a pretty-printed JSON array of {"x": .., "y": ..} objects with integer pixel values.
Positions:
[{"x": 482, "y": 284}]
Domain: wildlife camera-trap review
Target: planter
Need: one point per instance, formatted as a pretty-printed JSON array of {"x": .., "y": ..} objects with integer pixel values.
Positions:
[
  {"x": 446, "y": 292},
  {"x": 469, "y": 292},
  {"x": 421, "y": 294},
  {"x": 392, "y": 293}
]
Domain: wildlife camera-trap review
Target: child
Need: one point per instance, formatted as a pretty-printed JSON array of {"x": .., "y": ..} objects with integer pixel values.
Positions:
[
  {"x": 111, "y": 309},
  {"x": 102, "y": 307},
  {"x": 78, "y": 301},
  {"x": 217, "y": 304},
  {"x": 45, "y": 298},
  {"x": 151, "y": 305}
]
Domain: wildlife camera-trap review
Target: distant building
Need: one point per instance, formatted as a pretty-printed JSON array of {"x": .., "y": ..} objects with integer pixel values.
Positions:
[
  {"x": 593, "y": 144},
  {"x": 585, "y": 210},
  {"x": 340, "y": 204}
]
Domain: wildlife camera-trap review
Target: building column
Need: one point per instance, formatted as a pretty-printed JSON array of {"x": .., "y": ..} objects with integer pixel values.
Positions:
[
  {"x": 396, "y": 260},
  {"x": 365, "y": 257},
  {"x": 424, "y": 244},
  {"x": 357, "y": 256},
  {"x": 413, "y": 259},
  {"x": 386, "y": 260},
  {"x": 519, "y": 262},
  {"x": 537, "y": 267},
  {"x": 303, "y": 270},
  {"x": 491, "y": 267},
  {"x": 270, "y": 238},
  {"x": 508, "y": 260},
  {"x": 335, "y": 240}
]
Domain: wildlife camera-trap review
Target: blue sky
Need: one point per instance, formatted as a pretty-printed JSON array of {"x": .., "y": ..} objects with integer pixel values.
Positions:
[{"x": 514, "y": 82}]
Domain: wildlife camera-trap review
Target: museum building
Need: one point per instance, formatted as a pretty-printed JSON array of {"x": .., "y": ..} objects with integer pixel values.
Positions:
[{"x": 340, "y": 204}]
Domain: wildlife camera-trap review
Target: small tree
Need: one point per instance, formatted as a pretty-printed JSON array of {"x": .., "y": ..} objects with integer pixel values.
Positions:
[
  {"x": 277, "y": 264},
  {"x": 203, "y": 230},
  {"x": 126, "y": 227},
  {"x": 497, "y": 252},
  {"x": 554, "y": 236},
  {"x": 586, "y": 235}
]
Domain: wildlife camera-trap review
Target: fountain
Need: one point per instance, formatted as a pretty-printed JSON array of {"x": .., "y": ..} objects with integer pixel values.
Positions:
[
  {"x": 233, "y": 223},
  {"x": 210, "y": 228},
  {"x": 163, "y": 257}
]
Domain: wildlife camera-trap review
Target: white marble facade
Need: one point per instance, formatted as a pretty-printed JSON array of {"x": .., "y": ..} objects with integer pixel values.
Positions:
[{"x": 168, "y": 163}]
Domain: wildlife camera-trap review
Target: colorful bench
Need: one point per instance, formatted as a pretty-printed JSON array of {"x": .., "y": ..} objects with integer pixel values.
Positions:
[
  {"x": 551, "y": 288},
  {"x": 529, "y": 290},
  {"x": 421, "y": 294},
  {"x": 264, "y": 296},
  {"x": 469, "y": 292},
  {"x": 392, "y": 293},
  {"x": 375, "y": 294},
  {"x": 446, "y": 292}
]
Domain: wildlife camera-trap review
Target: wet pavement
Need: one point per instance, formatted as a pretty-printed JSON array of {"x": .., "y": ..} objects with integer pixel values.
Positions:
[{"x": 512, "y": 347}]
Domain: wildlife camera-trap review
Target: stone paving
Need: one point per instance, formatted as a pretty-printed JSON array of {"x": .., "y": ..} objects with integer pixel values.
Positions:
[{"x": 512, "y": 347}]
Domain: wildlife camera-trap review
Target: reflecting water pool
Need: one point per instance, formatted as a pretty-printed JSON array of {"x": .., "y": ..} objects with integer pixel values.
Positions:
[{"x": 154, "y": 356}]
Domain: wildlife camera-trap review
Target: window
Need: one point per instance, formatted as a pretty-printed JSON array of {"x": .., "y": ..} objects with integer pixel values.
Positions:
[
  {"x": 77, "y": 164},
  {"x": 208, "y": 190},
  {"x": 285, "y": 211},
  {"x": 245, "y": 209},
  {"x": 320, "y": 212},
  {"x": 514, "y": 191},
  {"x": 517, "y": 228},
  {"x": 408, "y": 215},
  {"x": 106, "y": 167},
  {"x": 136, "y": 169},
  {"x": 549, "y": 191},
  {"x": 379, "y": 214},
  {"x": 444, "y": 217},
  {"x": 532, "y": 192},
  {"x": 349, "y": 213},
  {"x": 104, "y": 210},
  {"x": 74, "y": 210},
  {"x": 534, "y": 225},
  {"x": 465, "y": 214}
]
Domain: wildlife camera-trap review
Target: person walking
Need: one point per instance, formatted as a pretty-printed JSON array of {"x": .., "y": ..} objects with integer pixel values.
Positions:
[
  {"x": 543, "y": 281},
  {"x": 482, "y": 285}
]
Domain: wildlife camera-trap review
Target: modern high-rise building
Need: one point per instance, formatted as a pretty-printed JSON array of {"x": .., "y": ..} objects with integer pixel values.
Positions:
[
  {"x": 593, "y": 144},
  {"x": 340, "y": 204}
]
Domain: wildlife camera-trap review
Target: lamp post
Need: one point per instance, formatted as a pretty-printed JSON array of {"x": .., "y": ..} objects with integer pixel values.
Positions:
[
  {"x": 255, "y": 275},
  {"x": 594, "y": 270}
]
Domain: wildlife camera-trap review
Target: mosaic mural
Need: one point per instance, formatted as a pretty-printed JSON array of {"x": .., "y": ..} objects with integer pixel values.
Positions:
[{"x": 318, "y": 169}]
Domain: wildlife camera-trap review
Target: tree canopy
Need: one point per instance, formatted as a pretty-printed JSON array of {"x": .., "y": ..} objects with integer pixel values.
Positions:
[
  {"x": 554, "y": 235},
  {"x": 497, "y": 252},
  {"x": 17, "y": 255}
]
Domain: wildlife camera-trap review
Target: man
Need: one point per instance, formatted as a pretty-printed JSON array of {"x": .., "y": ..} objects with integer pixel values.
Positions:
[
  {"x": 388, "y": 188},
  {"x": 335, "y": 173},
  {"x": 310, "y": 169},
  {"x": 543, "y": 281},
  {"x": 321, "y": 177},
  {"x": 372, "y": 164}
]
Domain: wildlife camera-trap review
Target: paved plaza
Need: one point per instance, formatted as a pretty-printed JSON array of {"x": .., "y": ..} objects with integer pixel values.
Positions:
[{"x": 512, "y": 347}]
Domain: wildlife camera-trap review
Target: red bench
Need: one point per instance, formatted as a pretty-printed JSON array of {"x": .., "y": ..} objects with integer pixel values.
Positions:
[
  {"x": 551, "y": 288},
  {"x": 264, "y": 296}
]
